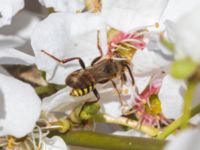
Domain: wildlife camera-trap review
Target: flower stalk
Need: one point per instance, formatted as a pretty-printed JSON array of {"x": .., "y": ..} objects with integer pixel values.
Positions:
[
  {"x": 188, "y": 103},
  {"x": 111, "y": 142},
  {"x": 177, "y": 123},
  {"x": 127, "y": 122}
]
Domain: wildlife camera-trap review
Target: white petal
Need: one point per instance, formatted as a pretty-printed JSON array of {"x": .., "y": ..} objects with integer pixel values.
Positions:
[
  {"x": 13, "y": 56},
  {"x": 187, "y": 33},
  {"x": 110, "y": 103},
  {"x": 142, "y": 82},
  {"x": 19, "y": 107},
  {"x": 10, "y": 41},
  {"x": 54, "y": 143},
  {"x": 148, "y": 62},
  {"x": 8, "y": 8},
  {"x": 22, "y": 24},
  {"x": 169, "y": 27},
  {"x": 64, "y": 5},
  {"x": 187, "y": 140},
  {"x": 4, "y": 71},
  {"x": 176, "y": 8},
  {"x": 64, "y": 103},
  {"x": 65, "y": 35},
  {"x": 129, "y": 14},
  {"x": 171, "y": 97}
]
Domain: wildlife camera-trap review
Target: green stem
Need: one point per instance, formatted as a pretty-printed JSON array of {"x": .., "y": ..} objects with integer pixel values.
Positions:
[
  {"x": 111, "y": 142},
  {"x": 188, "y": 103},
  {"x": 127, "y": 122},
  {"x": 177, "y": 123}
]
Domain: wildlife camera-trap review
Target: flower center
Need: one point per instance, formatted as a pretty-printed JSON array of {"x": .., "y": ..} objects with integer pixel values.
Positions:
[
  {"x": 124, "y": 45},
  {"x": 154, "y": 105}
]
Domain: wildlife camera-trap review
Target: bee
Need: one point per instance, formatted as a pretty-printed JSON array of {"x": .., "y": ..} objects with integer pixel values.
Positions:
[{"x": 101, "y": 70}]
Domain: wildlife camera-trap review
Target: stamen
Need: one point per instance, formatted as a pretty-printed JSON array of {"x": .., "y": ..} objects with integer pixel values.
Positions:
[
  {"x": 33, "y": 141},
  {"x": 10, "y": 142},
  {"x": 155, "y": 25},
  {"x": 130, "y": 45},
  {"x": 132, "y": 40}
]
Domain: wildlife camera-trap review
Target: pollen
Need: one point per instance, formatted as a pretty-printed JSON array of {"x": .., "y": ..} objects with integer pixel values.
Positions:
[
  {"x": 154, "y": 107},
  {"x": 11, "y": 142},
  {"x": 125, "y": 91}
]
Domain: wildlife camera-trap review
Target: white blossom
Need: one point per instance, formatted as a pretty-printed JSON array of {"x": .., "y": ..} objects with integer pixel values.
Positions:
[
  {"x": 19, "y": 107},
  {"x": 171, "y": 97},
  {"x": 65, "y": 35},
  {"x": 186, "y": 34},
  {"x": 176, "y": 8},
  {"x": 64, "y": 5},
  {"x": 185, "y": 140},
  {"x": 63, "y": 103},
  {"x": 54, "y": 143},
  {"x": 126, "y": 15},
  {"x": 8, "y": 8}
]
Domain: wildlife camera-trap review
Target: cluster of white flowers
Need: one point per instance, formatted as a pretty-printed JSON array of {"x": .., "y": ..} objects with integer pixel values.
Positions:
[{"x": 71, "y": 31}]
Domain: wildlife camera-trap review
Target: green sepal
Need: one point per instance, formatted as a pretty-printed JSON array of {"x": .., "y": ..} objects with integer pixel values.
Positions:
[
  {"x": 89, "y": 110},
  {"x": 184, "y": 68}
]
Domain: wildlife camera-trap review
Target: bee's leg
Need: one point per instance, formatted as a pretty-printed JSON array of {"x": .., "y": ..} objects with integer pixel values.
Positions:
[
  {"x": 96, "y": 93},
  {"x": 131, "y": 75},
  {"x": 123, "y": 79},
  {"x": 123, "y": 103},
  {"x": 118, "y": 92},
  {"x": 100, "y": 50},
  {"x": 63, "y": 61}
]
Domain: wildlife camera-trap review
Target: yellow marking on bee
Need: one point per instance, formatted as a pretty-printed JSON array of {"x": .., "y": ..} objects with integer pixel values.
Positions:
[
  {"x": 80, "y": 92},
  {"x": 74, "y": 93},
  {"x": 90, "y": 88},
  {"x": 85, "y": 90}
]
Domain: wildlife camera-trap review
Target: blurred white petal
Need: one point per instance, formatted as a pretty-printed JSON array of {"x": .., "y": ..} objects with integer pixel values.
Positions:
[
  {"x": 22, "y": 25},
  {"x": 196, "y": 96},
  {"x": 176, "y": 8},
  {"x": 65, "y": 35},
  {"x": 8, "y": 8},
  {"x": 169, "y": 27},
  {"x": 186, "y": 140},
  {"x": 54, "y": 143},
  {"x": 19, "y": 107},
  {"x": 10, "y": 41},
  {"x": 13, "y": 56},
  {"x": 171, "y": 96},
  {"x": 187, "y": 33},
  {"x": 64, "y": 5},
  {"x": 125, "y": 15}
]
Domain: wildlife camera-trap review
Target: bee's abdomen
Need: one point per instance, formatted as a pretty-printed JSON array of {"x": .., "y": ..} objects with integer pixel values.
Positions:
[{"x": 81, "y": 92}]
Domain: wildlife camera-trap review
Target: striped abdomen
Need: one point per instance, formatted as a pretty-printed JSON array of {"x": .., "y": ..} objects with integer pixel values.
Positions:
[
  {"x": 81, "y": 92},
  {"x": 81, "y": 81}
]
